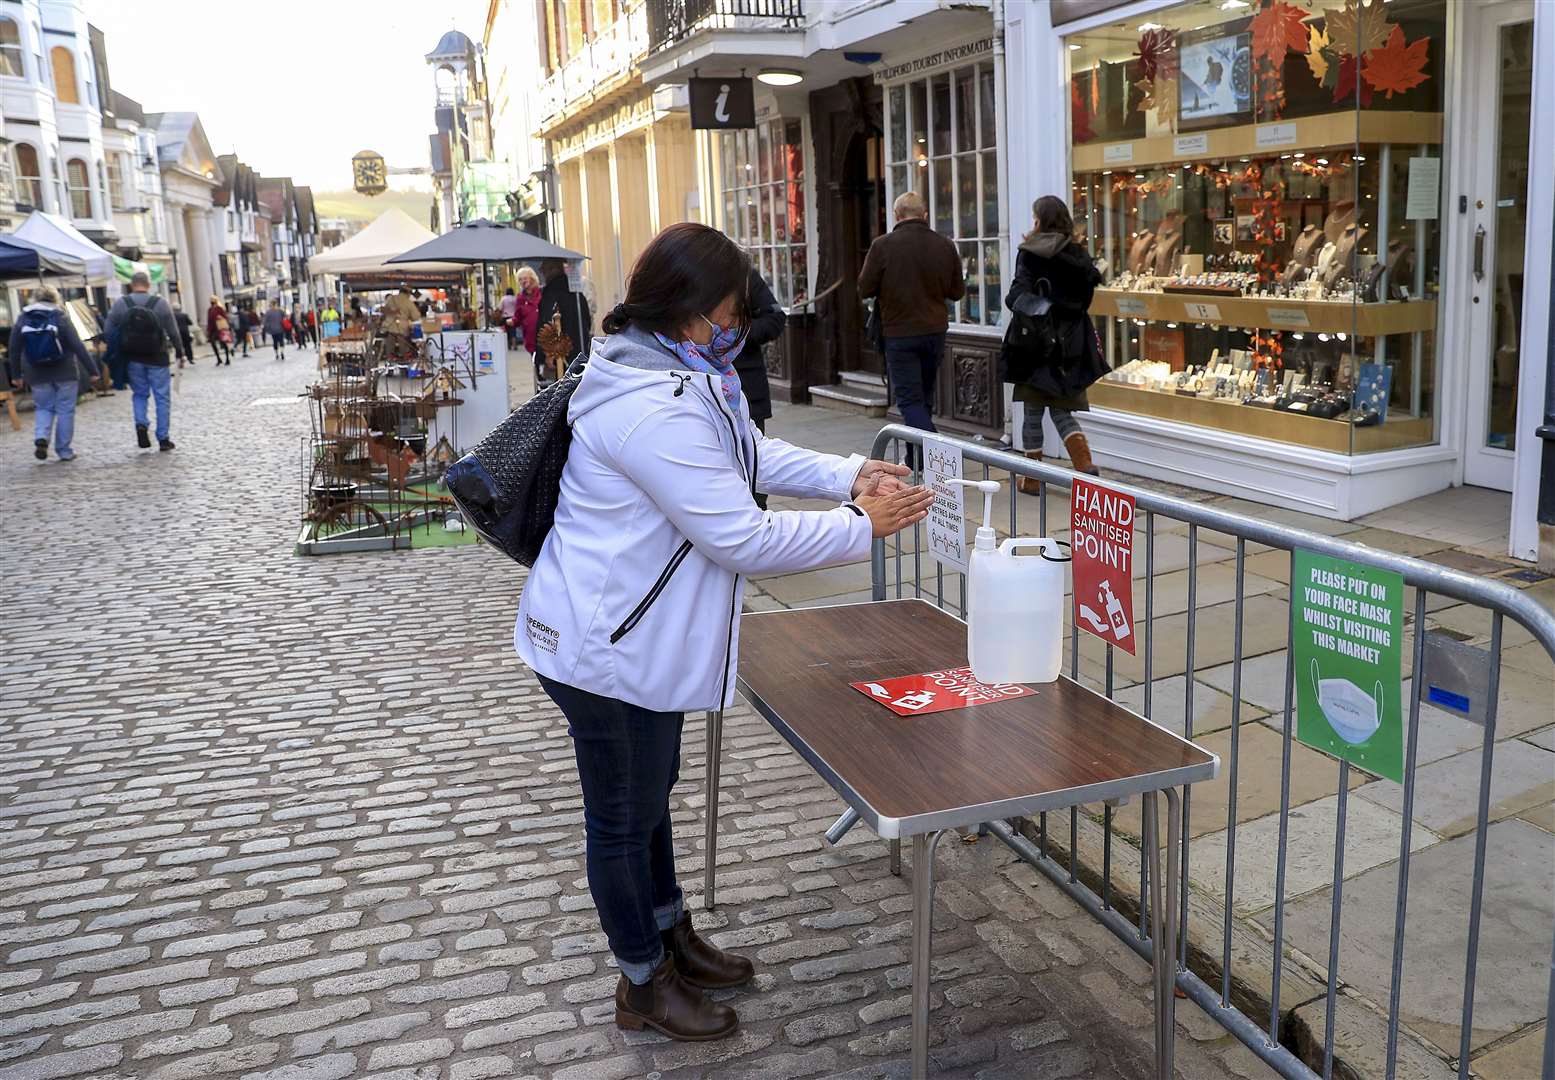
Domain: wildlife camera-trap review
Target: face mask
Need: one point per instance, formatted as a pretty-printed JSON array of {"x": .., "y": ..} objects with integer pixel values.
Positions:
[
  {"x": 726, "y": 344},
  {"x": 1351, "y": 712}
]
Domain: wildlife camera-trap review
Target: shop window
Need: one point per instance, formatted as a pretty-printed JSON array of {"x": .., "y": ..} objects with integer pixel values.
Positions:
[
  {"x": 11, "y": 49},
  {"x": 1264, "y": 204},
  {"x": 763, "y": 174},
  {"x": 79, "y": 179},
  {"x": 29, "y": 181},
  {"x": 64, "y": 65},
  {"x": 941, "y": 143}
]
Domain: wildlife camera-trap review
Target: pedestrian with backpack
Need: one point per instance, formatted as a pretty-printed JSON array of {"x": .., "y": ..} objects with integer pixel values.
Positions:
[
  {"x": 143, "y": 326},
  {"x": 277, "y": 329},
  {"x": 45, "y": 350}
]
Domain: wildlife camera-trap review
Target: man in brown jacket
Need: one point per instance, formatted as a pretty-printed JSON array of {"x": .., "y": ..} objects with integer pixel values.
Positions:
[{"x": 912, "y": 271}]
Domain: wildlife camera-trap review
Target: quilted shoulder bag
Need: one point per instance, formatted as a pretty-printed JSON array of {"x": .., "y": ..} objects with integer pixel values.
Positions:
[{"x": 509, "y": 485}]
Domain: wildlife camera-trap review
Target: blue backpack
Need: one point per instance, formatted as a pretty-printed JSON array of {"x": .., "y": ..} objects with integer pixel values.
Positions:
[{"x": 40, "y": 337}]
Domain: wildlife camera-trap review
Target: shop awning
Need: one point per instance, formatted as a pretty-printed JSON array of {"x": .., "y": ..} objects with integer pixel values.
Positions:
[
  {"x": 54, "y": 234},
  {"x": 368, "y": 252},
  {"x": 19, "y": 259}
]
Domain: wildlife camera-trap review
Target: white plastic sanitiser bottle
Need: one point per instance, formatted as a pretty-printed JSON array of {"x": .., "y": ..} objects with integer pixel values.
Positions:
[{"x": 1015, "y": 616}]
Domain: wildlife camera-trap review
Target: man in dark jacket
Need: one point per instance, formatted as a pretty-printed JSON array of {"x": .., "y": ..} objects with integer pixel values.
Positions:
[
  {"x": 913, "y": 271},
  {"x": 560, "y": 305},
  {"x": 44, "y": 353},
  {"x": 143, "y": 326}
]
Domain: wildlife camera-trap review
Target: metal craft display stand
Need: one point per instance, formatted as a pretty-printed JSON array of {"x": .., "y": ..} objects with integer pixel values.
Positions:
[{"x": 384, "y": 430}]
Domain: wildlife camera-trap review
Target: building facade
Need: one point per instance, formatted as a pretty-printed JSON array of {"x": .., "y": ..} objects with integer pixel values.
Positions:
[
  {"x": 1374, "y": 208},
  {"x": 190, "y": 179},
  {"x": 135, "y": 185},
  {"x": 512, "y": 28}
]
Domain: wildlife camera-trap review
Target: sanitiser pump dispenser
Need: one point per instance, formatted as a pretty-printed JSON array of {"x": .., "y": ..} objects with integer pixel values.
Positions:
[{"x": 1015, "y": 617}]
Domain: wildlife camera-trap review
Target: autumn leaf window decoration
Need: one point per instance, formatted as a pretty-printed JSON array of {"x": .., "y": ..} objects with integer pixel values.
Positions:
[
  {"x": 1360, "y": 54},
  {"x": 1156, "y": 61},
  {"x": 1276, "y": 29}
]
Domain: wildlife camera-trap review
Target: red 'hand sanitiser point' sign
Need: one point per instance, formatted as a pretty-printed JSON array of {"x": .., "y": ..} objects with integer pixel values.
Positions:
[
  {"x": 938, "y": 691},
  {"x": 1102, "y": 535}
]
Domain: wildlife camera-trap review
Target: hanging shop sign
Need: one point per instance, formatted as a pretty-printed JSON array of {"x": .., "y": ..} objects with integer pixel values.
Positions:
[
  {"x": 369, "y": 173},
  {"x": 938, "y": 691},
  {"x": 723, "y": 104},
  {"x": 1347, "y": 624},
  {"x": 1102, "y": 530}
]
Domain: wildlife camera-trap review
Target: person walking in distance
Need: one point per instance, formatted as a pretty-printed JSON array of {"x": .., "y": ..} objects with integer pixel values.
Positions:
[
  {"x": 767, "y": 319},
  {"x": 1055, "y": 278},
  {"x": 655, "y": 535},
  {"x": 44, "y": 352},
  {"x": 143, "y": 325},
  {"x": 275, "y": 329},
  {"x": 310, "y": 326},
  {"x": 185, "y": 331},
  {"x": 526, "y": 312},
  {"x": 507, "y": 307},
  {"x": 912, "y": 272},
  {"x": 219, "y": 329}
]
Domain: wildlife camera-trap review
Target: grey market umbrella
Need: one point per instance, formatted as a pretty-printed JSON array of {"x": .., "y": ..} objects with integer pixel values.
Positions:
[{"x": 481, "y": 242}]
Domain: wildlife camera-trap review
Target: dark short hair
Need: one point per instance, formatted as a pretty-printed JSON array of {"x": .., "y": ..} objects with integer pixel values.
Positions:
[{"x": 685, "y": 271}]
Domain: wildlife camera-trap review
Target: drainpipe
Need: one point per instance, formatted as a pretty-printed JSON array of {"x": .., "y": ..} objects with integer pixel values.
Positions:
[
  {"x": 1002, "y": 157},
  {"x": 1546, "y": 432}
]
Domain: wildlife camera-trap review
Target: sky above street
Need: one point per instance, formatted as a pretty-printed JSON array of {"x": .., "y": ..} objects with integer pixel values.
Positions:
[{"x": 295, "y": 87}]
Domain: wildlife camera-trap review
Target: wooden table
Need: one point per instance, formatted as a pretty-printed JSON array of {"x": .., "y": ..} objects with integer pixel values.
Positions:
[{"x": 918, "y": 777}]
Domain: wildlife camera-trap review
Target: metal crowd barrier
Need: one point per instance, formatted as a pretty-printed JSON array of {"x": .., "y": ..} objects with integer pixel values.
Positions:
[{"x": 1214, "y": 958}]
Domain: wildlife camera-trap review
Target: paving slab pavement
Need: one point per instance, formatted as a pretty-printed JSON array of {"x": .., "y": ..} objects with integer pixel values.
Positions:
[{"x": 281, "y": 818}]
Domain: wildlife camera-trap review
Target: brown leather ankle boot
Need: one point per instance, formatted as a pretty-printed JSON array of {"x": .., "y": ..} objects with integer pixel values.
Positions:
[
  {"x": 701, "y": 964},
  {"x": 672, "y": 1006},
  {"x": 1026, "y": 484},
  {"x": 1080, "y": 454}
]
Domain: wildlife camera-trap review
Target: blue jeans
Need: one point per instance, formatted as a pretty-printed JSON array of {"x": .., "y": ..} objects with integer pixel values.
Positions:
[
  {"x": 146, "y": 380},
  {"x": 628, "y": 760},
  {"x": 55, "y": 403},
  {"x": 913, "y": 364}
]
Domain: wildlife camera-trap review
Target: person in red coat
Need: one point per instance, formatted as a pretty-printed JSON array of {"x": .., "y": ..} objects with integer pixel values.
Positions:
[
  {"x": 218, "y": 328},
  {"x": 527, "y": 315}
]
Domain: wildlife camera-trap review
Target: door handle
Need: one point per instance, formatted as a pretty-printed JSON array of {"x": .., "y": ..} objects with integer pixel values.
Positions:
[{"x": 1479, "y": 253}]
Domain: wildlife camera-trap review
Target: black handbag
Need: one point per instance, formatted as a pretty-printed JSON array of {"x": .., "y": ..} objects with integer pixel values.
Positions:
[
  {"x": 507, "y": 487},
  {"x": 1031, "y": 342}
]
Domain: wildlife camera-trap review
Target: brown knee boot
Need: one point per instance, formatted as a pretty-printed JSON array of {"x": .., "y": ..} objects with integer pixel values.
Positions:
[
  {"x": 1080, "y": 454},
  {"x": 669, "y": 1004},
  {"x": 1026, "y": 484}
]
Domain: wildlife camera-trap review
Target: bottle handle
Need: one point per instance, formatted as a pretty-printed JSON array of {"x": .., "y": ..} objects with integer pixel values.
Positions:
[{"x": 1042, "y": 543}]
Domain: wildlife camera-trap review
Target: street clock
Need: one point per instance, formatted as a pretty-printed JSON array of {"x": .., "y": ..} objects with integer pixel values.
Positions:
[{"x": 369, "y": 173}]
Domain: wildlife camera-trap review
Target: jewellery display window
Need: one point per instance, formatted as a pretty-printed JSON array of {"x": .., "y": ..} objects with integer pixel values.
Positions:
[{"x": 1261, "y": 186}]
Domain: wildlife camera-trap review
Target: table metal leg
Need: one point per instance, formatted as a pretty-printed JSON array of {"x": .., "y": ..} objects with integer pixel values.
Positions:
[
  {"x": 923, "y": 846},
  {"x": 1163, "y": 920},
  {"x": 715, "y": 731},
  {"x": 896, "y": 857}
]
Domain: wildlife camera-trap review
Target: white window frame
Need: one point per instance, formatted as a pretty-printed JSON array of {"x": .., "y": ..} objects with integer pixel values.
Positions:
[
  {"x": 33, "y": 181},
  {"x": 789, "y": 288},
  {"x": 16, "y": 49},
  {"x": 71, "y": 189},
  {"x": 989, "y": 314}
]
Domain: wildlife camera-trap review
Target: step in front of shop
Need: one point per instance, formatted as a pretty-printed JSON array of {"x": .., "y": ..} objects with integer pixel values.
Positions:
[{"x": 860, "y": 392}]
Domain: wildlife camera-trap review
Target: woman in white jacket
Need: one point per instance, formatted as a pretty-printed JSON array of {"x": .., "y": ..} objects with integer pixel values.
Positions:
[{"x": 631, "y": 614}]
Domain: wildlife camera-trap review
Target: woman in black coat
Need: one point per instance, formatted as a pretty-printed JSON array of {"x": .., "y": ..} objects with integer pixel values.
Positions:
[
  {"x": 1053, "y": 273},
  {"x": 766, "y": 324}
]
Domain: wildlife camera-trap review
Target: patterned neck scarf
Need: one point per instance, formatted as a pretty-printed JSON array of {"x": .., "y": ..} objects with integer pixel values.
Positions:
[{"x": 714, "y": 358}]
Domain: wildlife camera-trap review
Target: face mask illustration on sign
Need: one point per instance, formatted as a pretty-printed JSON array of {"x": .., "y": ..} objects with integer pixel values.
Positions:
[{"x": 1353, "y": 713}]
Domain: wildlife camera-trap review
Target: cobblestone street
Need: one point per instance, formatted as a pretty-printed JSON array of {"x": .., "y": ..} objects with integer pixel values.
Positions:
[{"x": 271, "y": 817}]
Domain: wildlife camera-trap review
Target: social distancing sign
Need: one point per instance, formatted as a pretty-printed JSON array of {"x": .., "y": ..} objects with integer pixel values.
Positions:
[
  {"x": 1347, "y": 626},
  {"x": 1102, "y": 538}
]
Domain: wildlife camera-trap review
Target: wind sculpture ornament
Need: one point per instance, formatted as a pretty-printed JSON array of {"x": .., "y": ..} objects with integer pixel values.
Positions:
[{"x": 554, "y": 345}]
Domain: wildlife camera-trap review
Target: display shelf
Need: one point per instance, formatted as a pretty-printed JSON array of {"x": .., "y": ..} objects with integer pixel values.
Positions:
[
  {"x": 1259, "y": 313},
  {"x": 1326, "y": 131},
  {"x": 1334, "y": 436}
]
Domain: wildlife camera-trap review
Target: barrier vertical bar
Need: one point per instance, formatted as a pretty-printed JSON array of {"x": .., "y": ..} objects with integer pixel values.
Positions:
[
  {"x": 1481, "y": 831},
  {"x": 1149, "y": 604},
  {"x": 1411, "y": 752},
  {"x": 1187, "y": 727},
  {"x": 877, "y": 570},
  {"x": 1236, "y": 723},
  {"x": 1106, "y": 856},
  {"x": 1334, "y": 913},
  {"x": 1287, "y": 725}
]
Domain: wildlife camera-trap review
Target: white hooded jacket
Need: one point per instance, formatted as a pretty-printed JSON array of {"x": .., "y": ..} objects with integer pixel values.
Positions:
[{"x": 636, "y": 593}]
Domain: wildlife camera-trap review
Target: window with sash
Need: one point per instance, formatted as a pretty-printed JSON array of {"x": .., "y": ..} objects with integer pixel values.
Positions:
[
  {"x": 79, "y": 182},
  {"x": 763, "y": 182},
  {"x": 941, "y": 142}
]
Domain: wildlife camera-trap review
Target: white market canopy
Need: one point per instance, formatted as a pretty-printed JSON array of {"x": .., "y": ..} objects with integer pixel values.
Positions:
[
  {"x": 49, "y": 232},
  {"x": 391, "y": 233}
]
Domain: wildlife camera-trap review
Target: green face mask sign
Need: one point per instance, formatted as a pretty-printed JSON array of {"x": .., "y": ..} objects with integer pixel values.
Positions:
[{"x": 1348, "y": 627}]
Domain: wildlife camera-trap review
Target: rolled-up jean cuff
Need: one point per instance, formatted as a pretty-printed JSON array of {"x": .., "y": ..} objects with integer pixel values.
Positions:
[
  {"x": 640, "y": 973},
  {"x": 668, "y": 915}
]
